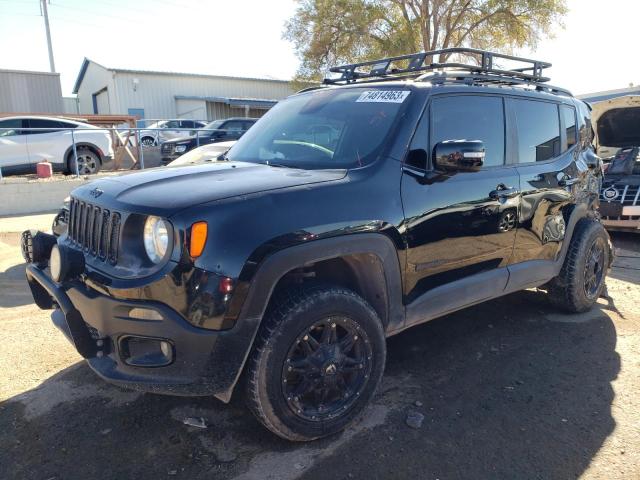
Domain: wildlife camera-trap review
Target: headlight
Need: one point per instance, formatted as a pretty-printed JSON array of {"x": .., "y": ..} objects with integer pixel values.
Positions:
[
  {"x": 181, "y": 148},
  {"x": 156, "y": 238}
]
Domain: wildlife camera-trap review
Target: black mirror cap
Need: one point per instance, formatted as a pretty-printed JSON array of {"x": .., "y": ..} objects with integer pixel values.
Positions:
[{"x": 459, "y": 155}]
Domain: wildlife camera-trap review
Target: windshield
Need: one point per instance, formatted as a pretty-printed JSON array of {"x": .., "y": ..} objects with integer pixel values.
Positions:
[{"x": 339, "y": 128}]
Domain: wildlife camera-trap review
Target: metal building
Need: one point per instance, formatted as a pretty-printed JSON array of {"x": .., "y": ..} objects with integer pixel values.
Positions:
[
  {"x": 30, "y": 92},
  {"x": 102, "y": 90}
]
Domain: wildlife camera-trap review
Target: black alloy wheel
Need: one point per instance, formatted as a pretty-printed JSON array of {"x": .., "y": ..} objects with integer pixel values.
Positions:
[
  {"x": 326, "y": 369},
  {"x": 594, "y": 267}
]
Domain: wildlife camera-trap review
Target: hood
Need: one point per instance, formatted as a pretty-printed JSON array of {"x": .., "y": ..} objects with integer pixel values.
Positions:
[
  {"x": 166, "y": 191},
  {"x": 617, "y": 122},
  {"x": 186, "y": 138}
]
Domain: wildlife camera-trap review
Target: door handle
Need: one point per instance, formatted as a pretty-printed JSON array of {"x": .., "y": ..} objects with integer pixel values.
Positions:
[
  {"x": 503, "y": 191},
  {"x": 568, "y": 181}
]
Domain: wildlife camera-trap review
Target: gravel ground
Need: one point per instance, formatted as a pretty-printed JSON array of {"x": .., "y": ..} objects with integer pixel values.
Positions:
[{"x": 508, "y": 389}]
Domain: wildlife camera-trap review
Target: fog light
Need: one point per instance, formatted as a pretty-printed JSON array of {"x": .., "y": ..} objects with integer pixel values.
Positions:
[
  {"x": 144, "y": 314},
  {"x": 145, "y": 351},
  {"x": 65, "y": 263}
]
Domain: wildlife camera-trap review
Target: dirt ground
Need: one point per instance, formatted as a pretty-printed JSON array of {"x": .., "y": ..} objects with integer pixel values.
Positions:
[{"x": 509, "y": 389}]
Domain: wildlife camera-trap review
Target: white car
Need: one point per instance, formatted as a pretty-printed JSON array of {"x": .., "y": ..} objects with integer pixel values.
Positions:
[
  {"x": 21, "y": 149},
  {"x": 169, "y": 129}
]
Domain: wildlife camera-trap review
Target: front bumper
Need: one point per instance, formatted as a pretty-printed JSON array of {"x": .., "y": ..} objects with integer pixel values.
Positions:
[
  {"x": 627, "y": 221},
  {"x": 204, "y": 362}
]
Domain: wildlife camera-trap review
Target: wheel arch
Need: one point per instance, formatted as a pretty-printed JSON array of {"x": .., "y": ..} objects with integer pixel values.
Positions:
[
  {"x": 68, "y": 155},
  {"x": 371, "y": 257}
]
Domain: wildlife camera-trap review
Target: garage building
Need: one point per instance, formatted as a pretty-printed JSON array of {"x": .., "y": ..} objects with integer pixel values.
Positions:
[
  {"x": 160, "y": 95},
  {"x": 30, "y": 92}
]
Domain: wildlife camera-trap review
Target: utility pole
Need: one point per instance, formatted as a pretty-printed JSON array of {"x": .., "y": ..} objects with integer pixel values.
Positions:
[{"x": 45, "y": 13}]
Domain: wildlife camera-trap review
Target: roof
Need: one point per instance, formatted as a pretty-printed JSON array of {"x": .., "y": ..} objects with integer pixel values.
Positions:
[
  {"x": 609, "y": 94},
  {"x": 86, "y": 61},
  {"x": 254, "y": 102},
  {"x": 29, "y": 72}
]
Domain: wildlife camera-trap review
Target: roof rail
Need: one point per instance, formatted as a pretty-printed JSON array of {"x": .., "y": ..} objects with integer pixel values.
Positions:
[
  {"x": 407, "y": 66},
  {"x": 489, "y": 79}
]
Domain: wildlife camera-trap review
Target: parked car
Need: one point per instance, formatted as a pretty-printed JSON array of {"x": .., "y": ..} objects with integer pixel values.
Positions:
[
  {"x": 617, "y": 125},
  {"x": 22, "y": 149},
  {"x": 216, "y": 131},
  {"x": 288, "y": 265},
  {"x": 170, "y": 129},
  {"x": 207, "y": 153}
]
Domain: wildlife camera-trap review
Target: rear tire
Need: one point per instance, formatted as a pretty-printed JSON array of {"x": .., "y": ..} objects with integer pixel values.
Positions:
[
  {"x": 582, "y": 278},
  {"x": 316, "y": 363}
]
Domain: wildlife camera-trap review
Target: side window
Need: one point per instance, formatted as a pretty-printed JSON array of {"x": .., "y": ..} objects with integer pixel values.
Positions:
[
  {"x": 233, "y": 126},
  {"x": 186, "y": 123},
  {"x": 569, "y": 117},
  {"x": 538, "y": 127},
  {"x": 172, "y": 124},
  {"x": 52, "y": 125},
  {"x": 468, "y": 117},
  {"x": 10, "y": 128}
]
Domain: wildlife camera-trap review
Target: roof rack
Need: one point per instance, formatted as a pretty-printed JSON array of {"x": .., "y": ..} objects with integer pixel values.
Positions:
[{"x": 408, "y": 66}]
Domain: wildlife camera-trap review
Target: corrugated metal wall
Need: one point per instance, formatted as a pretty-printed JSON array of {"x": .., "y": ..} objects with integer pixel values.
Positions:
[
  {"x": 70, "y": 105},
  {"x": 30, "y": 92},
  {"x": 156, "y": 93},
  {"x": 216, "y": 110}
]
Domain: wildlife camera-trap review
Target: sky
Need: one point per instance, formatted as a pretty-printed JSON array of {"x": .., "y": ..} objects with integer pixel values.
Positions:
[{"x": 244, "y": 38}]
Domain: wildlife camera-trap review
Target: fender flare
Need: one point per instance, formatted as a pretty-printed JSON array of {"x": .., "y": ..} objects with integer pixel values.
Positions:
[{"x": 277, "y": 265}]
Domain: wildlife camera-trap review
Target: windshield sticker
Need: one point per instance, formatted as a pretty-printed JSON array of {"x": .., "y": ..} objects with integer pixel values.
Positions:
[{"x": 384, "y": 96}]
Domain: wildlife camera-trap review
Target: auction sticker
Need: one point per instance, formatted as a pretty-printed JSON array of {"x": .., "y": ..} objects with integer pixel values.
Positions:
[{"x": 384, "y": 96}]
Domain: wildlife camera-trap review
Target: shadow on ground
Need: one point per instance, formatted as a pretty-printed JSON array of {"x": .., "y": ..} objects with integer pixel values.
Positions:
[
  {"x": 14, "y": 290},
  {"x": 508, "y": 389}
]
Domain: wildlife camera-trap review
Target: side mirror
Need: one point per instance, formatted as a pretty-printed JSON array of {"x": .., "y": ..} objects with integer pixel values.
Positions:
[{"x": 459, "y": 155}]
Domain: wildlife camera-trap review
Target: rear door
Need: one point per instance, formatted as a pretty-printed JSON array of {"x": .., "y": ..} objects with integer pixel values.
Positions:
[
  {"x": 546, "y": 140},
  {"x": 459, "y": 224},
  {"x": 13, "y": 145}
]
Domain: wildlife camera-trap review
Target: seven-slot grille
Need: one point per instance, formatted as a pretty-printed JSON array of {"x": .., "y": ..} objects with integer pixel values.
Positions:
[{"x": 96, "y": 230}]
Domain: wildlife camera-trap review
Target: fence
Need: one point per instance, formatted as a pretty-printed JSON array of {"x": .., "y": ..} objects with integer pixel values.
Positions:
[{"x": 15, "y": 153}]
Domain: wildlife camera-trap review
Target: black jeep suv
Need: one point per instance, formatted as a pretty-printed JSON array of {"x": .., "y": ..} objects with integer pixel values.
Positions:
[{"x": 350, "y": 212}]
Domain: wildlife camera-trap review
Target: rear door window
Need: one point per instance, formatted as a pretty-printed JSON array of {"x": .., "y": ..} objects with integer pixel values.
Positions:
[
  {"x": 52, "y": 126},
  {"x": 538, "y": 126},
  {"x": 469, "y": 117}
]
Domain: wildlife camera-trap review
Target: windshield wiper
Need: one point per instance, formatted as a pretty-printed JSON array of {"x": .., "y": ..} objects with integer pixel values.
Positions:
[{"x": 279, "y": 165}]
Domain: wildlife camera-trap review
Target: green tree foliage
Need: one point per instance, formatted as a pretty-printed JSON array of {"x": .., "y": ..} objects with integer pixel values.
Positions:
[{"x": 331, "y": 32}]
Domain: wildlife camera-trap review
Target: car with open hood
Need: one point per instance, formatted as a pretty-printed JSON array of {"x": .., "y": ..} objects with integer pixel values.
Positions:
[
  {"x": 617, "y": 126},
  {"x": 389, "y": 196}
]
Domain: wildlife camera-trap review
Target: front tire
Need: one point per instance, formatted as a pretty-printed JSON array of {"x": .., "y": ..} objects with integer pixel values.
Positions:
[
  {"x": 582, "y": 278},
  {"x": 317, "y": 362}
]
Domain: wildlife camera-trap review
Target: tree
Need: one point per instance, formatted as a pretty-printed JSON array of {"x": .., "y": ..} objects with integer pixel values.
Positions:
[{"x": 331, "y": 32}]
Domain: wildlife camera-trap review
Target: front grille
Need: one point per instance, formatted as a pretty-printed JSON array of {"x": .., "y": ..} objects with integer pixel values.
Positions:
[
  {"x": 628, "y": 195},
  {"x": 95, "y": 229},
  {"x": 166, "y": 148}
]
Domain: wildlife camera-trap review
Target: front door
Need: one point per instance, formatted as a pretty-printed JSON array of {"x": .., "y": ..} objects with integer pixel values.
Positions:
[
  {"x": 459, "y": 224},
  {"x": 13, "y": 146}
]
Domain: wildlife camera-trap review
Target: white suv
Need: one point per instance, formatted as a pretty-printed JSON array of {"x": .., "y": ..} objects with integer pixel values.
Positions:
[
  {"x": 21, "y": 149},
  {"x": 170, "y": 129}
]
